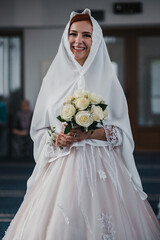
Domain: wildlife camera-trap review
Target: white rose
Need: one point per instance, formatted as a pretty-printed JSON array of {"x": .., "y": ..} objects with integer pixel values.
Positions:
[
  {"x": 97, "y": 113},
  {"x": 80, "y": 93},
  {"x": 95, "y": 99},
  {"x": 105, "y": 113},
  {"x": 81, "y": 103},
  {"x": 67, "y": 99},
  {"x": 83, "y": 118},
  {"x": 67, "y": 112}
]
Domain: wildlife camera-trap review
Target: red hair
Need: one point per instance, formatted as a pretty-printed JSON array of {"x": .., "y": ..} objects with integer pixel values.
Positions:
[{"x": 80, "y": 17}]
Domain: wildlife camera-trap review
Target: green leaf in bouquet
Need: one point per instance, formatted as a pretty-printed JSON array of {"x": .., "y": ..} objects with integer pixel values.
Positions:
[
  {"x": 92, "y": 131},
  {"x": 93, "y": 125},
  {"x": 49, "y": 133},
  {"x": 102, "y": 105},
  {"x": 101, "y": 123},
  {"x": 73, "y": 122},
  {"x": 61, "y": 119},
  {"x": 53, "y": 129},
  {"x": 68, "y": 128}
]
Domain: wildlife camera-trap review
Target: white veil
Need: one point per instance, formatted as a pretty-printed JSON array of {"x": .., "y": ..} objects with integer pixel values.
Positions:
[{"x": 63, "y": 77}]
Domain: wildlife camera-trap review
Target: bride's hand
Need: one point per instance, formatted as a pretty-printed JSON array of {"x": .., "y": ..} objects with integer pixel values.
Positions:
[
  {"x": 76, "y": 135},
  {"x": 62, "y": 140}
]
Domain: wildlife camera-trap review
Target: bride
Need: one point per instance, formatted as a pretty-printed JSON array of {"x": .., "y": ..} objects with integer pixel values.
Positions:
[{"x": 85, "y": 186}]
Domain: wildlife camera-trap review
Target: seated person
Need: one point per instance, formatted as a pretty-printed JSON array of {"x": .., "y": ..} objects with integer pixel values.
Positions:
[{"x": 22, "y": 144}]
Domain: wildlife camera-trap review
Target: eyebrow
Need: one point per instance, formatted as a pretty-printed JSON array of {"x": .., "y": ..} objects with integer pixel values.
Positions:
[{"x": 82, "y": 32}]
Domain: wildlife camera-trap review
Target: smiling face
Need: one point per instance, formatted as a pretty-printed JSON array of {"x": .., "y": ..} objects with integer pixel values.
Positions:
[{"x": 80, "y": 40}]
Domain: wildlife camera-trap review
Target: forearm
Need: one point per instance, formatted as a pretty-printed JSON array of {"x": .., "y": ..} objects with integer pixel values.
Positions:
[
  {"x": 109, "y": 133},
  {"x": 20, "y": 132},
  {"x": 98, "y": 134}
]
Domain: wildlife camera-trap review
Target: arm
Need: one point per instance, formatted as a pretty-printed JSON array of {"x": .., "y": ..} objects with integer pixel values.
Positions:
[
  {"x": 20, "y": 132},
  {"x": 76, "y": 135},
  {"x": 110, "y": 134}
]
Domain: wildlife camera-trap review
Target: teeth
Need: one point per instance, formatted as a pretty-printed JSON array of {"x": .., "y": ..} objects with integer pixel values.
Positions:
[{"x": 78, "y": 48}]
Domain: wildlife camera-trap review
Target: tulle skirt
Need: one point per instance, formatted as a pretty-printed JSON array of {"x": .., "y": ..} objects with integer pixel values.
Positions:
[{"x": 87, "y": 195}]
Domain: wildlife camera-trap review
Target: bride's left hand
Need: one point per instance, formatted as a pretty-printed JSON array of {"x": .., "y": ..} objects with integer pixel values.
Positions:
[{"x": 76, "y": 135}]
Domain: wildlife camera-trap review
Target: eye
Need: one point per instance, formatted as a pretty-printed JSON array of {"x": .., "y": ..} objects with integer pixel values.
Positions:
[
  {"x": 87, "y": 35},
  {"x": 72, "y": 34}
]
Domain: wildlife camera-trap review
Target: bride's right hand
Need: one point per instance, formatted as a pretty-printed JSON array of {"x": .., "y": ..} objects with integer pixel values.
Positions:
[{"x": 63, "y": 140}]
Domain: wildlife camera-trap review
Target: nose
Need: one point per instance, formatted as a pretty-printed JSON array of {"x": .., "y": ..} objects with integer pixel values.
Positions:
[{"x": 78, "y": 39}]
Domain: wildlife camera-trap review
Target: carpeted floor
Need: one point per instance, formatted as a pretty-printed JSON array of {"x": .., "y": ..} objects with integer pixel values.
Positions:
[
  {"x": 148, "y": 165},
  {"x": 14, "y": 175},
  {"x": 13, "y": 178}
]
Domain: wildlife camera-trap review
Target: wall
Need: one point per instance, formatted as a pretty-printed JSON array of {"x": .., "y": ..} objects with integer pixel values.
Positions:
[
  {"x": 22, "y": 13},
  {"x": 41, "y": 46},
  {"x": 43, "y": 21}
]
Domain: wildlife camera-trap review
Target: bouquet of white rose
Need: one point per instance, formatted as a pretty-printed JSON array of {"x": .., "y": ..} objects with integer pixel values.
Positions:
[{"x": 83, "y": 109}]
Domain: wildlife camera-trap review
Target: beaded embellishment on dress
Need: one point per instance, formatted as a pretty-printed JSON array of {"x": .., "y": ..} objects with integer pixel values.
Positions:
[
  {"x": 108, "y": 232},
  {"x": 102, "y": 175}
]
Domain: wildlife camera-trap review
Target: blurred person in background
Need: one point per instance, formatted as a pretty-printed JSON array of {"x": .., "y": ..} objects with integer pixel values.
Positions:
[{"x": 21, "y": 142}]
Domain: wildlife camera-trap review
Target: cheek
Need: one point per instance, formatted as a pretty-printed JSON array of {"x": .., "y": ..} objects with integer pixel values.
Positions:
[
  {"x": 89, "y": 44},
  {"x": 70, "y": 44},
  {"x": 70, "y": 40}
]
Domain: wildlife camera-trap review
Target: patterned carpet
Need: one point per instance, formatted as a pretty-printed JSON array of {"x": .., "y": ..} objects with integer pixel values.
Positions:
[{"x": 14, "y": 175}]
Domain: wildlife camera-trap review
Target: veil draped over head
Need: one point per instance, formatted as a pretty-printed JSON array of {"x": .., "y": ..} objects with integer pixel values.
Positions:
[{"x": 64, "y": 76}]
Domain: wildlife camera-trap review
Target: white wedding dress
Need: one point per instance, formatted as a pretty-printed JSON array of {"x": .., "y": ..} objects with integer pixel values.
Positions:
[{"x": 86, "y": 195}]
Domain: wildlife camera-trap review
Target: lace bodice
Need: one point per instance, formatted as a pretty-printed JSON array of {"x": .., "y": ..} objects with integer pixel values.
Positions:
[{"x": 113, "y": 136}]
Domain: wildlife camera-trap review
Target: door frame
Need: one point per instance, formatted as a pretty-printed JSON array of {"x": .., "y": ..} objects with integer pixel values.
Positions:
[{"x": 146, "y": 138}]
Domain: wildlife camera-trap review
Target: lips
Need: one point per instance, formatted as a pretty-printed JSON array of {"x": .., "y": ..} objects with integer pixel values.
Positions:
[{"x": 79, "y": 49}]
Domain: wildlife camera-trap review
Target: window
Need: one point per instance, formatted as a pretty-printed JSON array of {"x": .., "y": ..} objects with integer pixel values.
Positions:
[{"x": 10, "y": 59}]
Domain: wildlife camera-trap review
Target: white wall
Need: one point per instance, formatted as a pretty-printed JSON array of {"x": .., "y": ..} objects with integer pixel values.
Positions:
[
  {"x": 33, "y": 13},
  {"x": 43, "y": 21},
  {"x": 41, "y": 46}
]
